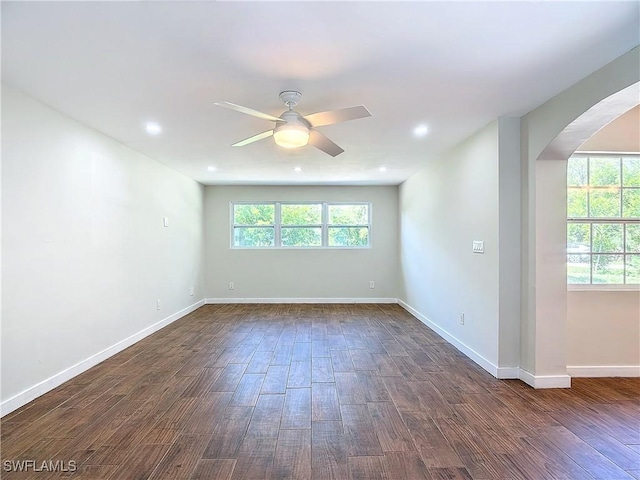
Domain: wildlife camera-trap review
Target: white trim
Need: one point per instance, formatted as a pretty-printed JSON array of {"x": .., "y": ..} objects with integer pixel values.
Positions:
[
  {"x": 528, "y": 378},
  {"x": 468, "y": 351},
  {"x": 541, "y": 381},
  {"x": 545, "y": 381},
  {"x": 603, "y": 370},
  {"x": 603, "y": 287},
  {"x": 209, "y": 301},
  {"x": 300, "y": 248},
  {"x": 325, "y": 226},
  {"x": 603, "y": 152},
  {"x": 59, "y": 378},
  {"x": 508, "y": 373}
]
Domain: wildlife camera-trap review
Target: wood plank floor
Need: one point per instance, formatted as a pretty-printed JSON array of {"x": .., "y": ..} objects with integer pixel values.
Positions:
[{"x": 319, "y": 392}]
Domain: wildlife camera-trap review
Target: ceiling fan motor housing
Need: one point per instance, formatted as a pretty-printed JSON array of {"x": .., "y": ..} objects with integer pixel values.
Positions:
[{"x": 291, "y": 117}]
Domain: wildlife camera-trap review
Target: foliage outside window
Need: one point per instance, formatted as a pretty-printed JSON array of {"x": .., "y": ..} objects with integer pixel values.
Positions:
[
  {"x": 258, "y": 228},
  {"x": 603, "y": 224},
  {"x": 300, "y": 225},
  {"x": 348, "y": 225}
]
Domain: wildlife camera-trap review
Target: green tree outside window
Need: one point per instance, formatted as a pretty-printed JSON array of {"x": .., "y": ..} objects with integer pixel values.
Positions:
[{"x": 603, "y": 228}]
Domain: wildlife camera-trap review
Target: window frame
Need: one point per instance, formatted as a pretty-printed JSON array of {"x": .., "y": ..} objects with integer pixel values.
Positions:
[
  {"x": 242, "y": 225},
  {"x": 278, "y": 226},
  {"x": 591, "y": 221}
]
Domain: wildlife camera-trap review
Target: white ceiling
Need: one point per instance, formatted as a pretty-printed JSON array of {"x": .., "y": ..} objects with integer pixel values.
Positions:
[{"x": 452, "y": 65}]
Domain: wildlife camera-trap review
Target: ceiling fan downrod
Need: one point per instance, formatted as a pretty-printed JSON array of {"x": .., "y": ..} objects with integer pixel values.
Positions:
[{"x": 291, "y": 98}]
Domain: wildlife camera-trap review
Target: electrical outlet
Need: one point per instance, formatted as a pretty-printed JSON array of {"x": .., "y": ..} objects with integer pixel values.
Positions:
[
  {"x": 231, "y": 286},
  {"x": 372, "y": 284},
  {"x": 158, "y": 305},
  {"x": 191, "y": 291},
  {"x": 462, "y": 319}
]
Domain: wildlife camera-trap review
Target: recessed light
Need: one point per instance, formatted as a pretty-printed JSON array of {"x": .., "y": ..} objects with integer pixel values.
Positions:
[
  {"x": 298, "y": 169},
  {"x": 153, "y": 128},
  {"x": 212, "y": 169},
  {"x": 420, "y": 130},
  {"x": 382, "y": 169}
]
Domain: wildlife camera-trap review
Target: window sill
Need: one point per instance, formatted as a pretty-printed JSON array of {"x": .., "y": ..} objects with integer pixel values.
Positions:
[
  {"x": 300, "y": 248},
  {"x": 603, "y": 288}
]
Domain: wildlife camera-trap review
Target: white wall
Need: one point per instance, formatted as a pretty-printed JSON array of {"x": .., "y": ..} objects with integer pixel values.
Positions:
[
  {"x": 302, "y": 273},
  {"x": 603, "y": 336},
  {"x": 603, "y": 332},
  {"x": 446, "y": 206},
  {"x": 539, "y": 128},
  {"x": 551, "y": 266},
  {"x": 509, "y": 226},
  {"x": 85, "y": 254}
]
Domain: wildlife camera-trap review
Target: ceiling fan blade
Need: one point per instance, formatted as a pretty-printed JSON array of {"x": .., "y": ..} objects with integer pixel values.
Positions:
[
  {"x": 336, "y": 116},
  {"x": 323, "y": 143},
  {"x": 255, "y": 138},
  {"x": 248, "y": 111}
]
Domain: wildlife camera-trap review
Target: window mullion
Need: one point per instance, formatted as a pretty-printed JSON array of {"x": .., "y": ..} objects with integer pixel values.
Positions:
[
  {"x": 588, "y": 187},
  {"x": 621, "y": 187},
  {"x": 325, "y": 223},
  {"x": 624, "y": 252},
  {"x": 234, "y": 225},
  {"x": 624, "y": 227},
  {"x": 590, "y": 252},
  {"x": 277, "y": 233}
]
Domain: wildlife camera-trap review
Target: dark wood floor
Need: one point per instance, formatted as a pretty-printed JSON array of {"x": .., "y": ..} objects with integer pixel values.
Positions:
[{"x": 319, "y": 391}]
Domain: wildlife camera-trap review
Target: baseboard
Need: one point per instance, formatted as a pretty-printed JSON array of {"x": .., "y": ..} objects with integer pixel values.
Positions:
[
  {"x": 540, "y": 381},
  {"x": 58, "y": 379},
  {"x": 300, "y": 300},
  {"x": 604, "y": 371},
  {"x": 468, "y": 351},
  {"x": 545, "y": 381},
  {"x": 508, "y": 373}
]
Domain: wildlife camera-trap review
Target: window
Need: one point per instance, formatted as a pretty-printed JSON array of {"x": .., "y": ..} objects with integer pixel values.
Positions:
[
  {"x": 348, "y": 225},
  {"x": 254, "y": 225},
  {"x": 603, "y": 224},
  {"x": 300, "y": 225}
]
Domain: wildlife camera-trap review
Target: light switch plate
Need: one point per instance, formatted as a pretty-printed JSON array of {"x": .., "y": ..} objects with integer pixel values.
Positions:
[
  {"x": 165, "y": 221},
  {"x": 478, "y": 246}
]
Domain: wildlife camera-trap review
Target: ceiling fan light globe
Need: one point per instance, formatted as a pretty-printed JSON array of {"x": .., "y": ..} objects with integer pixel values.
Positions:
[{"x": 291, "y": 136}]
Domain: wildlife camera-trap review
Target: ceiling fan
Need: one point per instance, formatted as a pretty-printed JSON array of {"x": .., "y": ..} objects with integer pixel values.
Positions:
[{"x": 293, "y": 130}]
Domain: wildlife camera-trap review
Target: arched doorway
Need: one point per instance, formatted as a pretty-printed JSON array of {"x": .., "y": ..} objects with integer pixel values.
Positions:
[
  {"x": 602, "y": 324},
  {"x": 549, "y": 135}
]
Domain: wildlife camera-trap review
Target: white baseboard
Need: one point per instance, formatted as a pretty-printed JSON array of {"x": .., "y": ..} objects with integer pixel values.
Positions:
[
  {"x": 545, "y": 381},
  {"x": 300, "y": 300},
  {"x": 604, "y": 371},
  {"x": 468, "y": 351},
  {"x": 508, "y": 373},
  {"x": 59, "y": 378},
  {"x": 541, "y": 381}
]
